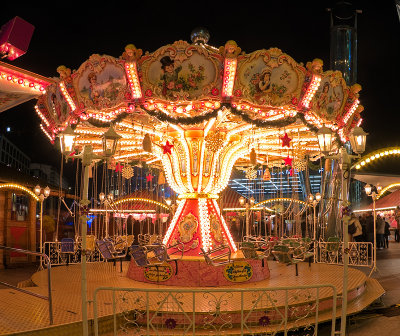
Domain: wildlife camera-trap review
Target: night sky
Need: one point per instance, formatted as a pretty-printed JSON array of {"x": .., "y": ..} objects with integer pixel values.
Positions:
[{"x": 69, "y": 33}]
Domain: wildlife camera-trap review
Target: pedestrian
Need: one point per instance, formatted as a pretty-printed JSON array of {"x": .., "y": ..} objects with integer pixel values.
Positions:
[
  {"x": 397, "y": 219},
  {"x": 387, "y": 234},
  {"x": 369, "y": 227},
  {"x": 358, "y": 234},
  {"x": 380, "y": 232}
]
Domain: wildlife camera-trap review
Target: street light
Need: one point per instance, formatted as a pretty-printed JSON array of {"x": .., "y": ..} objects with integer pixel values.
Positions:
[
  {"x": 42, "y": 196},
  {"x": 325, "y": 137},
  {"x": 358, "y": 140},
  {"x": 314, "y": 202},
  {"x": 110, "y": 140},
  {"x": 373, "y": 192},
  {"x": 67, "y": 140}
]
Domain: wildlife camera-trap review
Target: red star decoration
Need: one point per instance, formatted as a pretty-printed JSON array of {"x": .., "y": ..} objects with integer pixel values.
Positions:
[
  {"x": 167, "y": 148},
  {"x": 288, "y": 161},
  {"x": 118, "y": 167},
  {"x": 286, "y": 140},
  {"x": 149, "y": 177}
]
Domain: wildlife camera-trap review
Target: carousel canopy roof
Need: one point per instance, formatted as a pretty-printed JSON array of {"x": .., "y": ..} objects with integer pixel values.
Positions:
[
  {"x": 18, "y": 86},
  {"x": 265, "y": 96}
]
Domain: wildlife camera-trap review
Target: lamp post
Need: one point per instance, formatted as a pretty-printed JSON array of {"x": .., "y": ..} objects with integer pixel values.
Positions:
[
  {"x": 314, "y": 202},
  {"x": 373, "y": 192},
  {"x": 357, "y": 139},
  {"x": 247, "y": 205},
  {"x": 42, "y": 196},
  {"x": 109, "y": 139}
]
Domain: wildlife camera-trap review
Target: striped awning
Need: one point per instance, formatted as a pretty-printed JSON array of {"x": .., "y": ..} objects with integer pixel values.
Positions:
[
  {"x": 390, "y": 201},
  {"x": 229, "y": 199}
]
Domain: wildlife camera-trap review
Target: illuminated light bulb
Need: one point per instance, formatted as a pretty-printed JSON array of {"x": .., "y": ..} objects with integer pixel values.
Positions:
[{"x": 362, "y": 163}]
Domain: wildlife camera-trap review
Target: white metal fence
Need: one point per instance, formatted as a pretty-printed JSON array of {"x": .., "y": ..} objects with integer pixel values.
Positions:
[
  {"x": 262, "y": 311},
  {"x": 360, "y": 253},
  {"x": 57, "y": 257}
]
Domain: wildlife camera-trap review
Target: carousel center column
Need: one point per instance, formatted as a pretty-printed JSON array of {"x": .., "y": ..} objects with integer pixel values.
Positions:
[{"x": 197, "y": 164}]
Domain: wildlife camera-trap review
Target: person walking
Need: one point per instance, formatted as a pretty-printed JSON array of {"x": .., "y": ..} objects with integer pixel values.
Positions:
[
  {"x": 358, "y": 234},
  {"x": 397, "y": 219},
  {"x": 380, "y": 232},
  {"x": 387, "y": 234}
]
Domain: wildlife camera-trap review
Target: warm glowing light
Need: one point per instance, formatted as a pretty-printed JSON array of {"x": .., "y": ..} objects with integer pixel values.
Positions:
[
  {"x": 133, "y": 79},
  {"x": 312, "y": 88},
  {"x": 19, "y": 187},
  {"x": 351, "y": 110},
  {"x": 25, "y": 82},
  {"x": 229, "y": 76},
  {"x": 173, "y": 222},
  {"x": 67, "y": 96},
  {"x": 205, "y": 228}
]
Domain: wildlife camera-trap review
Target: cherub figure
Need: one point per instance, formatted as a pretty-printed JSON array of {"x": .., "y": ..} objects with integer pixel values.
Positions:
[
  {"x": 230, "y": 50},
  {"x": 64, "y": 72},
  {"x": 131, "y": 53},
  {"x": 315, "y": 66},
  {"x": 355, "y": 89}
]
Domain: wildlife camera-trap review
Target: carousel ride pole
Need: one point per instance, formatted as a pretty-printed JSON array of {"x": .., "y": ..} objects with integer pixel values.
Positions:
[
  {"x": 67, "y": 139},
  {"x": 248, "y": 206}
]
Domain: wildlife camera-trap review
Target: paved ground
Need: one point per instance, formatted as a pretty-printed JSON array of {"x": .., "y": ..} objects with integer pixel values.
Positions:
[{"x": 380, "y": 318}]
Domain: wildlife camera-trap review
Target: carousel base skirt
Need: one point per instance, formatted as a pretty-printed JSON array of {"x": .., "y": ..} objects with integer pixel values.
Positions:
[
  {"x": 23, "y": 314},
  {"x": 195, "y": 272}
]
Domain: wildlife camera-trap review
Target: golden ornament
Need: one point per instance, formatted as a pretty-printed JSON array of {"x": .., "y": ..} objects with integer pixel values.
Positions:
[
  {"x": 251, "y": 173},
  {"x": 214, "y": 141},
  {"x": 127, "y": 172}
]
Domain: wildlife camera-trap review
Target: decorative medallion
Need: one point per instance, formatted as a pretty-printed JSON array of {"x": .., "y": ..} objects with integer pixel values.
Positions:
[
  {"x": 215, "y": 227},
  {"x": 100, "y": 83},
  {"x": 239, "y": 271},
  {"x": 158, "y": 273},
  {"x": 187, "y": 227}
]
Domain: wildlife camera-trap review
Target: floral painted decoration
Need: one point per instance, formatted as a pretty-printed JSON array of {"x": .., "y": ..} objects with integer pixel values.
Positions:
[
  {"x": 264, "y": 321},
  {"x": 170, "y": 323}
]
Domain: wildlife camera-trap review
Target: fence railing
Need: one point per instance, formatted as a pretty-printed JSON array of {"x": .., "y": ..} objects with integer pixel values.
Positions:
[
  {"x": 360, "y": 253},
  {"x": 211, "y": 311},
  {"x": 47, "y": 260},
  {"x": 57, "y": 257}
]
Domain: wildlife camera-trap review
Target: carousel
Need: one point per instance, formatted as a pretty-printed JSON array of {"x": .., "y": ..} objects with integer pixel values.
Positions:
[{"x": 191, "y": 112}]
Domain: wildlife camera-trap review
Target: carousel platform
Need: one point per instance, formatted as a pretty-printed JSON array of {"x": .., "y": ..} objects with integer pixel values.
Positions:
[{"x": 26, "y": 315}]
